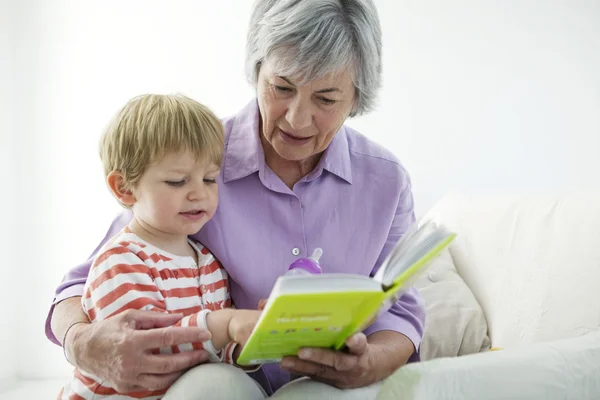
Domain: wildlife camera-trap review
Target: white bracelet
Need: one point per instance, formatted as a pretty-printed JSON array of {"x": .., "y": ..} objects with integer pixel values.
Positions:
[{"x": 208, "y": 344}]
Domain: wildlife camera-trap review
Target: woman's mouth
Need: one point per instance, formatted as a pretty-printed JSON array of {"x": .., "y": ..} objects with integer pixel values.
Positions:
[{"x": 293, "y": 139}]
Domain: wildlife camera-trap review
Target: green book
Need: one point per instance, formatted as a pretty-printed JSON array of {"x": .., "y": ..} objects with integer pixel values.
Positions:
[{"x": 324, "y": 310}]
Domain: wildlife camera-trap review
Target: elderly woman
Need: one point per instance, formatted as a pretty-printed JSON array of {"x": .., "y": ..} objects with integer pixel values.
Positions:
[{"x": 294, "y": 178}]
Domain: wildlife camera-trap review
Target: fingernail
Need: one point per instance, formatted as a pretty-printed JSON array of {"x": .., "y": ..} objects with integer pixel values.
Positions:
[
  {"x": 305, "y": 353},
  {"x": 353, "y": 340},
  {"x": 287, "y": 364}
]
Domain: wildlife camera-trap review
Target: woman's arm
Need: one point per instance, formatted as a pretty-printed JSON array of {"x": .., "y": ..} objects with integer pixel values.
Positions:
[
  {"x": 132, "y": 335},
  {"x": 390, "y": 342},
  {"x": 72, "y": 287},
  {"x": 407, "y": 315},
  {"x": 386, "y": 343},
  {"x": 129, "y": 337},
  {"x": 67, "y": 313}
]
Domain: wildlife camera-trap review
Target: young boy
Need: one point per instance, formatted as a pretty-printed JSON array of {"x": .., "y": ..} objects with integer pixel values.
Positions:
[{"x": 161, "y": 158}]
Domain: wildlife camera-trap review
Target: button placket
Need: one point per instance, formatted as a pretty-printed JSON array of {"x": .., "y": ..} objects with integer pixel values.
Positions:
[{"x": 298, "y": 207}]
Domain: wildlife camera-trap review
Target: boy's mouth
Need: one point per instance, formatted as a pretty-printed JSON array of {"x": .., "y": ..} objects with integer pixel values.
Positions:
[{"x": 193, "y": 214}]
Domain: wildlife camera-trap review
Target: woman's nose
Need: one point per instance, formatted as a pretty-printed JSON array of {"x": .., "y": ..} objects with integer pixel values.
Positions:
[{"x": 299, "y": 115}]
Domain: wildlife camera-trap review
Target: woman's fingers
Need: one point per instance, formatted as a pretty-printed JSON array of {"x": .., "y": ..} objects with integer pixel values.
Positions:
[
  {"x": 138, "y": 319},
  {"x": 156, "y": 382},
  {"x": 334, "y": 359},
  {"x": 170, "y": 336},
  {"x": 170, "y": 363},
  {"x": 357, "y": 344}
]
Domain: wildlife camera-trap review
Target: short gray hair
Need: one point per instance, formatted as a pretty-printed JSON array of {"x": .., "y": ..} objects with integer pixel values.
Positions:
[{"x": 311, "y": 38}]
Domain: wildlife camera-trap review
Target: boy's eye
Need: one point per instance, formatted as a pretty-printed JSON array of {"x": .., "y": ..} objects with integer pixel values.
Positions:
[{"x": 175, "y": 183}]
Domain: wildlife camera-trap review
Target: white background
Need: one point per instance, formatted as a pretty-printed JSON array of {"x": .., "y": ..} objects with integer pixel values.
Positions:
[
  {"x": 478, "y": 95},
  {"x": 8, "y": 180}
]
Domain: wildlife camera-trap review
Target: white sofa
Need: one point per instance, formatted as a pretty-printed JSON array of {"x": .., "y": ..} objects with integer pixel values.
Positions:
[{"x": 523, "y": 275}]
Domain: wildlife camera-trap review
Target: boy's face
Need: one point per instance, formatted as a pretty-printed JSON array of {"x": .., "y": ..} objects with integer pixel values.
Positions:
[{"x": 178, "y": 195}]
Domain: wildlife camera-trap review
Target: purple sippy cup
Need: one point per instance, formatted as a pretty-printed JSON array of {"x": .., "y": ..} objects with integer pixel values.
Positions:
[{"x": 307, "y": 266}]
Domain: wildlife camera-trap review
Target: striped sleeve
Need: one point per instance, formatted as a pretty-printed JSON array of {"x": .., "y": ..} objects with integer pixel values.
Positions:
[
  {"x": 214, "y": 285},
  {"x": 119, "y": 280}
]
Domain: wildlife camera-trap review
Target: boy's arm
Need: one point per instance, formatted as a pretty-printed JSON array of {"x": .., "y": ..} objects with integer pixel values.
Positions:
[
  {"x": 230, "y": 328},
  {"x": 123, "y": 281}
]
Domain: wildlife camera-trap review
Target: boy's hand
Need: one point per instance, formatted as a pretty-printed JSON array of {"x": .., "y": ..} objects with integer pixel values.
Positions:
[
  {"x": 241, "y": 324},
  {"x": 262, "y": 303}
]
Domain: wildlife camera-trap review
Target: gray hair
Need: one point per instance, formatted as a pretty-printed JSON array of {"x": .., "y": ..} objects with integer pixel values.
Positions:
[{"x": 311, "y": 38}]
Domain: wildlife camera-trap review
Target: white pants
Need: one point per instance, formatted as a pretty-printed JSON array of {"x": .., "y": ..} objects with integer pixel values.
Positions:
[{"x": 224, "y": 382}]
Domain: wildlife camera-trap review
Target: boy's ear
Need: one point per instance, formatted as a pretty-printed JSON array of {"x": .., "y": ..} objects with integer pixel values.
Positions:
[{"x": 116, "y": 184}]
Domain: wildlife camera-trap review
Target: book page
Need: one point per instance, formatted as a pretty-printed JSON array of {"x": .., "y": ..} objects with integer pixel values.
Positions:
[{"x": 416, "y": 247}]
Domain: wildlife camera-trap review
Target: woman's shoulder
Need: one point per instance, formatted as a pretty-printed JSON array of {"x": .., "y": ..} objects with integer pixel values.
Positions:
[
  {"x": 245, "y": 118},
  {"x": 368, "y": 155}
]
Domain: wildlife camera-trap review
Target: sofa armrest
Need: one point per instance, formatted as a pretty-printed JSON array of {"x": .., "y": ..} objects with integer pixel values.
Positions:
[{"x": 563, "y": 369}]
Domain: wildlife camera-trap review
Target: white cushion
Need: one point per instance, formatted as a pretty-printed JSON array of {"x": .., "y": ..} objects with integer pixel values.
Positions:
[
  {"x": 563, "y": 369},
  {"x": 533, "y": 262},
  {"x": 455, "y": 324}
]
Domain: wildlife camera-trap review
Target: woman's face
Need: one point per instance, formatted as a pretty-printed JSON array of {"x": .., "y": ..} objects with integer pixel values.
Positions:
[{"x": 300, "y": 121}]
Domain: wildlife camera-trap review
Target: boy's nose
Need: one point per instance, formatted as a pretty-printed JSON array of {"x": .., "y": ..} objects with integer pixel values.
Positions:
[{"x": 198, "y": 193}]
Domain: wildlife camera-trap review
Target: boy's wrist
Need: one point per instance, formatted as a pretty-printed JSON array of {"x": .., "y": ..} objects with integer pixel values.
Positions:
[
  {"x": 236, "y": 353},
  {"x": 230, "y": 329},
  {"x": 218, "y": 323},
  {"x": 237, "y": 350}
]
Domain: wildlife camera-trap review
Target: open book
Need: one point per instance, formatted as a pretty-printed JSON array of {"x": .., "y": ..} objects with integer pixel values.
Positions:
[{"x": 324, "y": 310}]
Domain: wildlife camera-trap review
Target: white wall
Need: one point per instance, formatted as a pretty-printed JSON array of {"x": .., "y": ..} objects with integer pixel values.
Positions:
[
  {"x": 479, "y": 95},
  {"x": 8, "y": 191},
  {"x": 491, "y": 95}
]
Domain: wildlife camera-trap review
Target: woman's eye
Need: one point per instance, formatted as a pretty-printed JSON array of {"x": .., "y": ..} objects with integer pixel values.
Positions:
[
  {"x": 175, "y": 183},
  {"x": 282, "y": 89},
  {"x": 327, "y": 101},
  {"x": 210, "y": 180}
]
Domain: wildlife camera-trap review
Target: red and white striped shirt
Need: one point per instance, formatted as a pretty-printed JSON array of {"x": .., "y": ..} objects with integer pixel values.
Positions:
[{"x": 130, "y": 273}]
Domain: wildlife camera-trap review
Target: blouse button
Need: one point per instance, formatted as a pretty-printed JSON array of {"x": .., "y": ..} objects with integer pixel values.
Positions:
[{"x": 295, "y": 251}]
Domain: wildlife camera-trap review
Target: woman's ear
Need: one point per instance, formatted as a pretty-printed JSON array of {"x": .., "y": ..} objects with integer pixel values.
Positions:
[
  {"x": 116, "y": 184},
  {"x": 257, "y": 73},
  {"x": 354, "y": 109}
]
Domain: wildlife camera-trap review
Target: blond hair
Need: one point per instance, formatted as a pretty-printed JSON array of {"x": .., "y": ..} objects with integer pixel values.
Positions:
[{"x": 149, "y": 127}]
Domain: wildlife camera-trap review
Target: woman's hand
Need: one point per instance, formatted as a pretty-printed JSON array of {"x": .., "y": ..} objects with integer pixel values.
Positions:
[
  {"x": 352, "y": 369},
  {"x": 364, "y": 363},
  {"x": 119, "y": 349}
]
